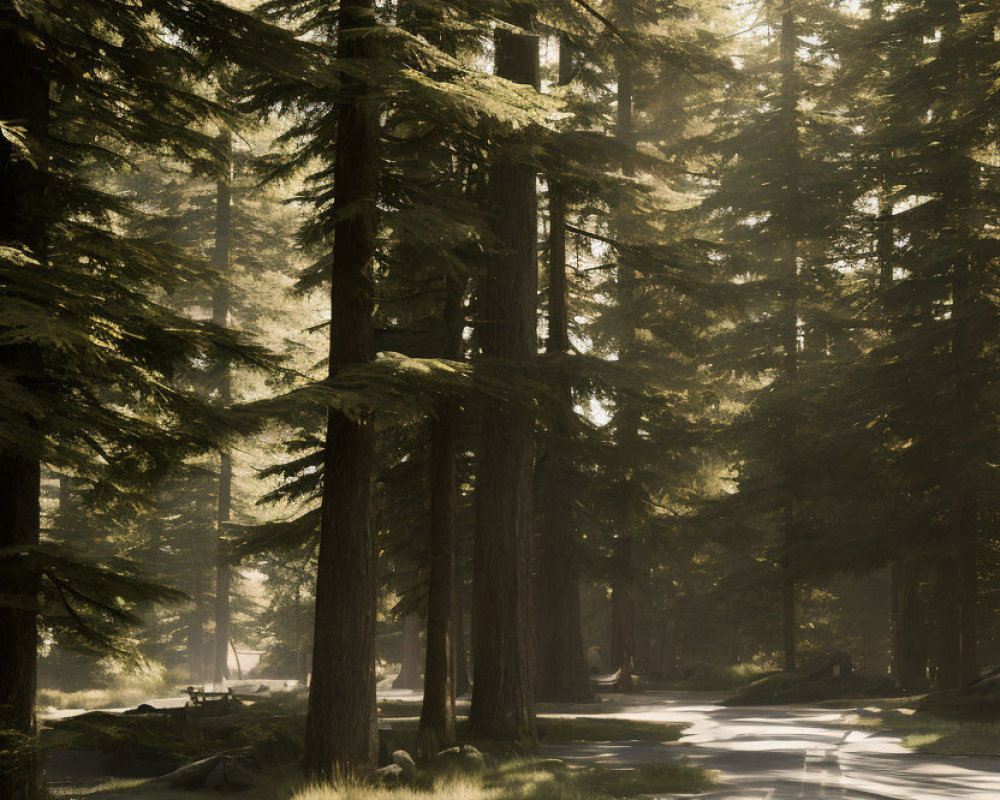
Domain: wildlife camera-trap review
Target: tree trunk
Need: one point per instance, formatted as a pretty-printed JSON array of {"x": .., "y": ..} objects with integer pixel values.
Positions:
[
  {"x": 24, "y": 102},
  {"x": 628, "y": 415},
  {"x": 561, "y": 665},
  {"x": 437, "y": 714},
  {"x": 463, "y": 671},
  {"x": 622, "y": 651},
  {"x": 220, "y": 316},
  {"x": 503, "y": 685},
  {"x": 409, "y": 666},
  {"x": 341, "y": 734},
  {"x": 909, "y": 655},
  {"x": 958, "y": 636},
  {"x": 196, "y": 636},
  {"x": 20, "y": 478},
  {"x": 790, "y": 337}
]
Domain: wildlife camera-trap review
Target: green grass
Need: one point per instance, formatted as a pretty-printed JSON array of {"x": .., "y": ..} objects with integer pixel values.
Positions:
[
  {"x": 97, "y": 698},
  {"x": 711, "y": 677},
  {"x": 928, "y": 734},
  {"x": 402, "y": 733},
  {"x": 533, "y": 779}
]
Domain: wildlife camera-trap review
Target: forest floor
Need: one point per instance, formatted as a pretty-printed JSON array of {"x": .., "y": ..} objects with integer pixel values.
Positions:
[{"x": 631, "y": 745}]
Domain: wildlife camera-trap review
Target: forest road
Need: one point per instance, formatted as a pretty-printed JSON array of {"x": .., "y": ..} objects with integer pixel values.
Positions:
[{"x": 786, "y": 753}]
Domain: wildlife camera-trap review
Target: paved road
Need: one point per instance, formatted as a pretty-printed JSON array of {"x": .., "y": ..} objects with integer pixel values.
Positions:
[{"x": 784, "y": 753}]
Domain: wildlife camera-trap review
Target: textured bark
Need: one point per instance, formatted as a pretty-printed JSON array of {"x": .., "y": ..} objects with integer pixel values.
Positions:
[
  {"x": 24, "y": 102},
  {"x": 19, "y": 512},
  {"x": 560, "y": 661},
  {"x": 196, "y": 637},
  {"x": 628, "y": 415},
  {"x": 789, "y": 565},
  {"x": 409, "y": 667},
  {"x": 958, "y": 636},
  {"x": 437, "y": 714},
  {"x": 341, "y": 734},
  {"x": 622, "y": 652},
  {"x": 220, "y": 316},
  {"x": 909, "y": 652},
  {"x": 503, "y": 685}
]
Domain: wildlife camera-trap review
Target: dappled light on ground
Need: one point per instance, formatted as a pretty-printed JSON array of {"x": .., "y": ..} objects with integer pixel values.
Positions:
[{"x": 782, "y": 753}]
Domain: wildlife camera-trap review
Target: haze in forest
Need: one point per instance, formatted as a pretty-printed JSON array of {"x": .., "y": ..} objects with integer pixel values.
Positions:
[{"x": 400, "y": 398}]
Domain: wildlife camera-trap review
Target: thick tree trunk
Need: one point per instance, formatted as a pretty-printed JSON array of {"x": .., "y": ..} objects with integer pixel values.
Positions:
[
  {"x": 437, "y": 714},
  {"x": 196, "y": 637},
  {"x": 790, "y": 337},
  {"x": 959, "y": 629},
  {"x": 220, "y": 316},
  {"x": 627, "y": 416},
  {"x": 463, "y": 670},
  {"x": 19, "y": 512},
  {"x": 622, "y": 651},
  {"x": 409, "y": 667},
  {"x": 24, "y": 103},
  {"x": 341, "y": 734},
  {"x": 909, "y": 653},
  {"x": 503, "y": 685},
  {"x": 560, "y": 660}
]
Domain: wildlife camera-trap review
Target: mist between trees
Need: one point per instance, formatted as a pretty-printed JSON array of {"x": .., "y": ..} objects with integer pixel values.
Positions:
[{"x": 499, "y": 345}]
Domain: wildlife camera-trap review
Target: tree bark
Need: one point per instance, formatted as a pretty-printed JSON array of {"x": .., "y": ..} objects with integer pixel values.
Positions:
[
  {"x": 409, "y": 667},
  {"x": 437, "y": 714},
  {"x": 503, "y": 684},
  {"x": 561, "y": 665},
  {"x": 909, "y": 653},
  {"x": 196, "y": 636},
  {"x": 789, "y": 561},
  {"x": 24, "y": 102},
  {"x": 220, "y": 316},
  {"x": 341, "y": 734},
  {"x": 628, "y": 415},
  {"x": 958, "y": 636}
]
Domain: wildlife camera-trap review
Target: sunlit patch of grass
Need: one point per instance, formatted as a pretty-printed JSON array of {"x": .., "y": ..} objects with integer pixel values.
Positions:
[
  {"x": 398, "y": 708},
  {"x": 929, "y": 734},
  {"x": 94, "y": 698},
  {"x": 712, "y": 677},
  {"x": 103, "y": 786},
  {"x": 552, "y": 730},
  {"x": 532, "y": 779},
  {"x": 465, "y": 788},
  {"x": 674, "y": 777}
]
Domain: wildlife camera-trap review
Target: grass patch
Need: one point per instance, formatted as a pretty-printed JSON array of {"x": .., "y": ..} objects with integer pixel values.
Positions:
[
  {"x": 715, "y": 678},
  {"x": 669, "y": 777},
  {"x": 564, "y": 730},
  {"x": 96, "y": 789},
  {"x": 388, "y": 709},
  {"x": 928, "y": 734},
  {"x": 90, "y": 699},
  {"x": 534, "y": 779}
]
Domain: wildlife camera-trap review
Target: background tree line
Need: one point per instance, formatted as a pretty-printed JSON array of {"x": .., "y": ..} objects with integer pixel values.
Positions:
[{"x": 612, "y": 336}]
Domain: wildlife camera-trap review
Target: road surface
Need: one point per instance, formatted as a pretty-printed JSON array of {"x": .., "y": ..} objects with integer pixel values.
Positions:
[{"x": 788, "y": 753}]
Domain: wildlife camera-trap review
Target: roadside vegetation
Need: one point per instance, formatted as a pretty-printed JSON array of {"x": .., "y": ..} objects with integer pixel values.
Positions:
[
  {"x": 532, "y": 779},
  {"x": 934, "y": 735}
]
